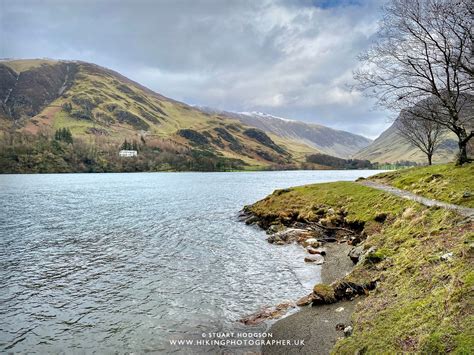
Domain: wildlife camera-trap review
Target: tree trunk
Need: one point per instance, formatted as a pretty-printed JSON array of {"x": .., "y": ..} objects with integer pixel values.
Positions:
[
  {"x": 462, "y": 154},
  {"x": 430, "y": 156},
  {"x": 463, "y": 140}
]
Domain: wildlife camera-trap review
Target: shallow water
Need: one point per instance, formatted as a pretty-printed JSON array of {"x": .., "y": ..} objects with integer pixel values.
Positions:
[{"x": 125, "y": 262}]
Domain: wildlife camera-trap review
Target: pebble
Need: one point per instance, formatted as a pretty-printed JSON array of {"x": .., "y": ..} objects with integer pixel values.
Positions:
[{"x": 348, "y": 331}]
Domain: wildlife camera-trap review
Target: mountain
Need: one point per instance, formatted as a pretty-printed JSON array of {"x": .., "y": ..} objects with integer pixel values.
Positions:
[
  {"x": 326, "y": 140},
  {"x": 390, "y": 147},
  {"x": 103, "y": 108}
]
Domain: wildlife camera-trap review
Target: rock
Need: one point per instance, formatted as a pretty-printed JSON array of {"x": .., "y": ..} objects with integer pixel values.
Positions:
[
  {"x": 313, "y": 242},
  {"x": 267, "y": 313},
  {"x": 288, "y": 235},
  {"x": 340, "y": 326},
  {"x": 274, "y": 228},
  {"x": 331, "y": 211},
  {"x": 316, "y": 259},
  {"x": 251, "y": 220},
  {"x": 319, "y": 251},
  {"x": 447, "y": 257},
  {"x": 304, "y": 301},
  {"x": 369, "y": 252},
  {"x": 356, "y": 253},
  {"x": 340, "y": 309},
  {"x": 346, "y": 290},
  {"x": 348, "y": 331},
  {"x": 323, "y": 294},
  {"x": 466, "y": 194}
]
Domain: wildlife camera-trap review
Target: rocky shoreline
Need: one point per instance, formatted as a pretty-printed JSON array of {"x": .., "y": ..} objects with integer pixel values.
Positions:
[{"x": 336, "y": 245}]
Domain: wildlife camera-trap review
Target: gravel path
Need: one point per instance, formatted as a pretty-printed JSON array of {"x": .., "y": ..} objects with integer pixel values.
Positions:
[{"x": 464, "y": 211}]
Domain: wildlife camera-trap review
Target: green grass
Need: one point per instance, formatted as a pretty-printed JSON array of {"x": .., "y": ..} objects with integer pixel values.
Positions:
[
  {"x": 422, "y": 304},
  {"x": 362, "y": 203},
  {"x": 77, "y": 127},
  {"x": 20, "y": 65},
  {"x": 448, "y": 182}
]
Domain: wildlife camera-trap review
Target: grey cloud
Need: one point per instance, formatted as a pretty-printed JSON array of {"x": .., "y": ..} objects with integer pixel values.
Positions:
[{"x": 289, "y": 58}]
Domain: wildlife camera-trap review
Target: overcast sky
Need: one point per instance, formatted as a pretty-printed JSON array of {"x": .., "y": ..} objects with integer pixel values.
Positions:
[{"x": 288, "y": 58}]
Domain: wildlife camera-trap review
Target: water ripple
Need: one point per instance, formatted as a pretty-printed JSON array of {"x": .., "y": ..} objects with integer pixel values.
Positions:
[{"x": 124, "y": 262}]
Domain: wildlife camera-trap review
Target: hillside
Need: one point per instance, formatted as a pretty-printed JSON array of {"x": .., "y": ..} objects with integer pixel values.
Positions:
[
  {"x": 103, "y": 108},
  {"x": 326, "y": 140},
  {"x": 390, "y": 147}
]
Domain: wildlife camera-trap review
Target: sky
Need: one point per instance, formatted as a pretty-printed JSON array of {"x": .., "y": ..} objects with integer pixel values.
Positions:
[{"x": 292, "y": 59}]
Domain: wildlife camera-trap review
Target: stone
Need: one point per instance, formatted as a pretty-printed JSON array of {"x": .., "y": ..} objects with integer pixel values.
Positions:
[
  {"x": 319, "y": 251},
  {"x": 313, "y": 242},
  {"x": 340, "y": 326},
  {"x": 251, "y": 220},
  {"x": 466, "y": 194},
  {"x": 304, "y": 301},
  {"x": 316, "y": 259},
  {"x": 340, "y": 309},
  {"x": 267, "y": 313},
  {"x": 348, "y": 331},
  {"x": 288, "y": 235},
  {"x": 447, "y": 257},
  {"x": 369, "y": 252},
  {"x": 323, "y": 294},
  {"x": 356, "y": 253},
  {"x": 274, "y": 228}
]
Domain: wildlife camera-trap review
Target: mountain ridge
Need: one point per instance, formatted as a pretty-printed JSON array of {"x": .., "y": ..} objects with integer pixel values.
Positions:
[{"x": 326, "y": 140}]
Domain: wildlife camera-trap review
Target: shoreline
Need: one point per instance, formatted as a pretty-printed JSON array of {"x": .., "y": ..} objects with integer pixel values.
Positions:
[
  {"x": 409, "y": 258},
  {"x": 318, "y": 325}
]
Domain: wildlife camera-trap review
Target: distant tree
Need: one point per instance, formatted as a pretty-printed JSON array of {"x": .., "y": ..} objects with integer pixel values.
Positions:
[
  {"x": 67, "y": 107},
  {"x": 63, "y": 134},
  {"x": 424, "y": 134},
  {"x": 135, "y": 145},
  {"x": 125, "y": 145},
  {"x": 424, "y": 51}
]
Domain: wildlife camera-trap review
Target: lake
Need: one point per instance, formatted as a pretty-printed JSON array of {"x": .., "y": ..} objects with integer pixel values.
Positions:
[{"x": 126, "y": 262}]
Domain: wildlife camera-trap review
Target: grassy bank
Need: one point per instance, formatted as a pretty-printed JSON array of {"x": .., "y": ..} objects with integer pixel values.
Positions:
[{"x": 421, "y": 258}]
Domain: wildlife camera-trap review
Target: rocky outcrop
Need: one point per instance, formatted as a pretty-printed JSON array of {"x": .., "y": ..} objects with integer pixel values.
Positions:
[
  {"x": 26, "y": 93},
  {"x": 267, "y": 313},
  {"x": 338, "y": 291}
]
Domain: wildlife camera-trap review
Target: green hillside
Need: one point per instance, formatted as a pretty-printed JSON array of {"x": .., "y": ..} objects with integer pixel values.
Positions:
[{"x": 103, "y": 108}]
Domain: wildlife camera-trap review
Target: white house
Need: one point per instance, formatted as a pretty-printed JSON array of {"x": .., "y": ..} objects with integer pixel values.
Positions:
[{"x": 128, "y": 153}]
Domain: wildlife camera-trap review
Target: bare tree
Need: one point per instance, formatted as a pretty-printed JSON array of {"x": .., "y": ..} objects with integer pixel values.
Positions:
[
  {"x": 425, "y": 134},
  {"x": 424, "y": 51}
]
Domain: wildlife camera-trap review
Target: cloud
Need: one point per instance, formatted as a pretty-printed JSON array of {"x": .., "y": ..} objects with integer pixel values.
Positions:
[{"x": 289, "y": 58}]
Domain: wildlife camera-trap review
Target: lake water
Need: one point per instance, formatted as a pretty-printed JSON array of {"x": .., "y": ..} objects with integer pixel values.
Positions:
[{"x": 125, "y": 262}]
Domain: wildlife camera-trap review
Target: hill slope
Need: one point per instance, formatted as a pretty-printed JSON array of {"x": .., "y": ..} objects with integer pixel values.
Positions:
[
  {"x": 326, "y": 140},
  {"x": 98, "y": 104},
  {"x": 390, "y": 147}
]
